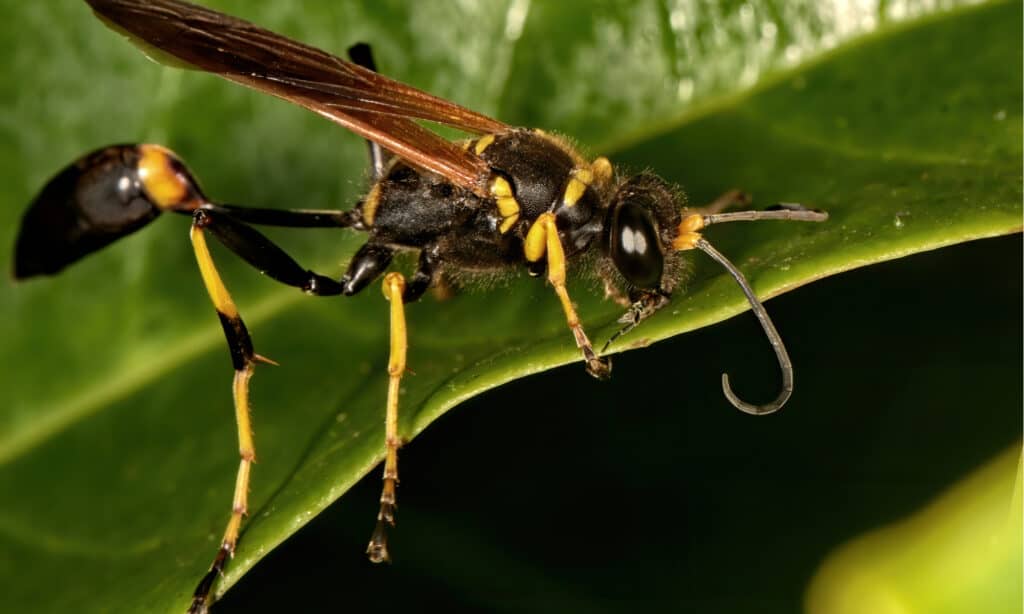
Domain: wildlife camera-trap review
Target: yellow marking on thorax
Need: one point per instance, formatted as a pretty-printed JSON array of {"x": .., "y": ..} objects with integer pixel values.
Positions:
[
  {"x": 165, "y": 187},
  {"x": 483, "y": 143},
  {"x": 582, "y": 177},
  {"x": 579, "y": 180},
  {"x": 602, "y": 170},
  {"x": 508, "y": 207},
  {"x": 370, "y": 204}
]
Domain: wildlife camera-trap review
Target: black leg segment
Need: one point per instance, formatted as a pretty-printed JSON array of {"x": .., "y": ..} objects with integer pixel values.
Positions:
[
  {"x": 367, "y": 265},
  {"x": 292, "y": 218},
  {"x": 423, "y": 278},
  {"x": 263, "y": 254}
]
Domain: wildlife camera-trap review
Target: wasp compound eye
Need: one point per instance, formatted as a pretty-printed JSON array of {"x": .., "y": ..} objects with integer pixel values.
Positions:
[{"x": 634, "y": 246}]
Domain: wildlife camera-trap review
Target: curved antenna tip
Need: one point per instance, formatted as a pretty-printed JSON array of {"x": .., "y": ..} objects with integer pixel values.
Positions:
[
  {"x": 749, "y": 408},
  {"x": 769, "y": 329}
]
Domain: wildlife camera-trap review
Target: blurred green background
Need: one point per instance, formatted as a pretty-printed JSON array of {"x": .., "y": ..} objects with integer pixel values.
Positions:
[{"x": 553, "y": 492}]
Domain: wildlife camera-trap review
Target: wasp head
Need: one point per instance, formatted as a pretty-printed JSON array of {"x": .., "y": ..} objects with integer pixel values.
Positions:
[{"x": 643, "y": 219}]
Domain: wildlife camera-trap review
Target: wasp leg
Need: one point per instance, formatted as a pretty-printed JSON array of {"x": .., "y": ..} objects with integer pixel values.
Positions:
[
  {"x": 732, "y": 198},
  {"x": 424, "y": 276},
  {"x": 293, "y": 218},
  {"x": 361, "y": 54},
  {"x": 542, "y": 240},
  {"x": 395, "y": 291},
  {"x": 645, "y": 304},
  {"x": 369, "y": 262},
  {"x": 243, "y": 359},
  {"x": 372, "y": 259},
  {"x": 262, "y": 254}
]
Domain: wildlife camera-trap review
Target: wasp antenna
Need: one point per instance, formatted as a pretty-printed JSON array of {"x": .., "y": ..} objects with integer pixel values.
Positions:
[
  {"x": 769, "y": 329},
  {"x": 781, "y": 211}
]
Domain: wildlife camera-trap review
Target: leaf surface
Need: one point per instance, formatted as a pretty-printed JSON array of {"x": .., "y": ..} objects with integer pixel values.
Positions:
[{"x": 116, "y": 439}]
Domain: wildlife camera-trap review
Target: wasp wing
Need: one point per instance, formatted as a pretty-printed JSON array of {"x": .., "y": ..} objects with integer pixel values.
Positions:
[{"x": 369, "y": 104}]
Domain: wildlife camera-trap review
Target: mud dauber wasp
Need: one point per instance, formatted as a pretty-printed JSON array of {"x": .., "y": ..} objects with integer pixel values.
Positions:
[{"x": 506, "y": 198}]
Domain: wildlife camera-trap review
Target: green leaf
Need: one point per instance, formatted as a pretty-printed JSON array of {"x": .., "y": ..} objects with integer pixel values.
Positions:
[
  {"x": 974, "y": 528},
  {"x": 116, "y": 437}
]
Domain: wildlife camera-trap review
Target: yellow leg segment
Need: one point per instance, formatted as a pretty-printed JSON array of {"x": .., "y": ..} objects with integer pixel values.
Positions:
[
  {"x": 542, "y": 240},
  {"x": 244, "y": 361},
  {"x": 247, "y": 451},
  {"x": 394, "y": 288}
]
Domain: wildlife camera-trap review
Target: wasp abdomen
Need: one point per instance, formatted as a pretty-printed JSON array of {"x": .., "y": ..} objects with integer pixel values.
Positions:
[{"x": 101, "y": 197}]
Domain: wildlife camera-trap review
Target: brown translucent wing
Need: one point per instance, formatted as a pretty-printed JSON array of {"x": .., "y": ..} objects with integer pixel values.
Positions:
[{"x": 369, "y": 104}]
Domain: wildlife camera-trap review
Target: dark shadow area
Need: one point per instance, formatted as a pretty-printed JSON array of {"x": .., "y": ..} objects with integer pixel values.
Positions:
[{"x": 558, "y": 493}]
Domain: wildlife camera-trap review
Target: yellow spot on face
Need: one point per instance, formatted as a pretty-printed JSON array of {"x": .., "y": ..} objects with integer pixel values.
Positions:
[
  {"x": 602, "y": 170},
  {"x": 688, "y": 232},
  {"x": 465, "y": 144},
  {"x": 685, "y": 241},
  {"x": 164, "y": 186},
  {"x": 370, "y": 204},
  {"x": 691, "y": 223},
  {"x": 508, "y": 207},
  {"x": 483, "y": 143}
]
